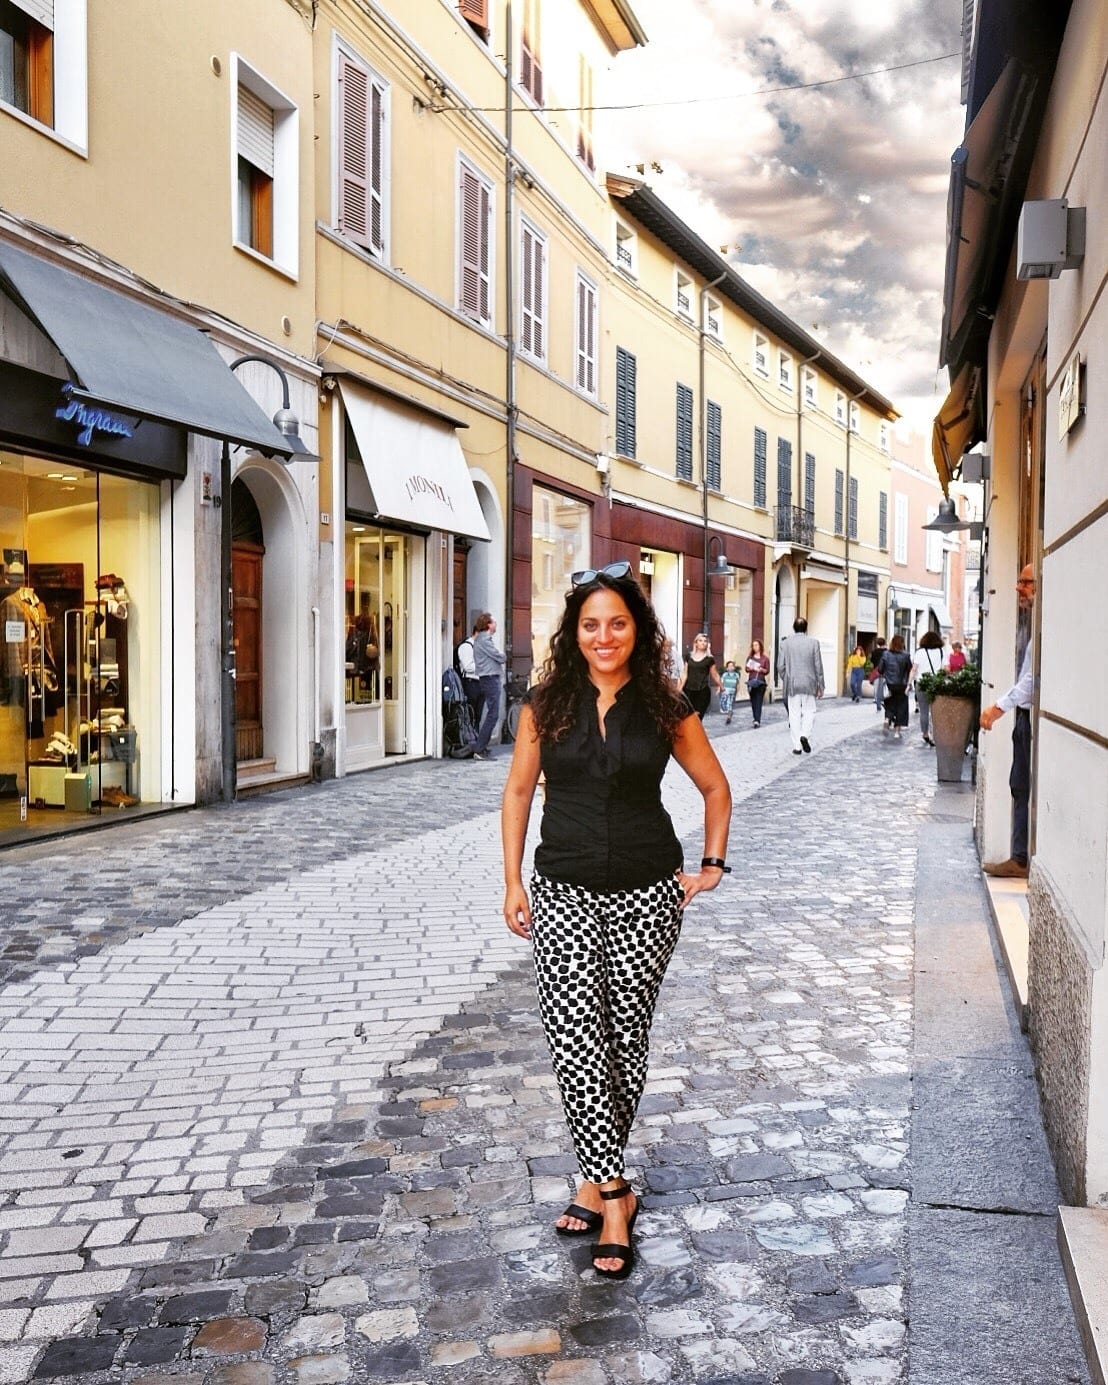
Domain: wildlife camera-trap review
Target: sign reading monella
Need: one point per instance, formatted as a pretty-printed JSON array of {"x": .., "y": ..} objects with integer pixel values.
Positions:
[{"x": 423, "y": 485}]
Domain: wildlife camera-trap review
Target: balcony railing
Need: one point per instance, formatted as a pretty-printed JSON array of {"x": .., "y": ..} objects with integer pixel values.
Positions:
[{"x": 794, "y": 525}]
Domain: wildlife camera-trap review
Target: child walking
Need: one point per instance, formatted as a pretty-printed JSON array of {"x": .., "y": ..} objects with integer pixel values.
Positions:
[{"x": 730, "y": 680}]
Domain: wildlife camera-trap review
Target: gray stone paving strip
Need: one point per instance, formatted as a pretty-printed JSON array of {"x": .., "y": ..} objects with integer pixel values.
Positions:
[{"x": 754, "y": 1000}]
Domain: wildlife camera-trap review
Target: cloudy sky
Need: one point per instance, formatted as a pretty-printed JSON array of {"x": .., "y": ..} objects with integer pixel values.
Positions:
[{"x": 832, "y": 200}]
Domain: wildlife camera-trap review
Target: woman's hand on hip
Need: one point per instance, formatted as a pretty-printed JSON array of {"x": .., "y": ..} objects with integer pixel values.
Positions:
[
  {"x": 692, "y": 884},
  {"x": 517, "y": 911}
]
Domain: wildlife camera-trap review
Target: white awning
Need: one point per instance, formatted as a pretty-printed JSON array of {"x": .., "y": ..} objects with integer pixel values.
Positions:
[
  {"x": 941, "y": 612},
  {"x": 414, "y": 464}
]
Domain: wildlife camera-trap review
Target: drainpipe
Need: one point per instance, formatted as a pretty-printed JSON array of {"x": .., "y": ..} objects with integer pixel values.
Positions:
[
  {"x": 846, "y": 537},
  {"x": 704, "y": 450},
  {"x": 800, "y": 426},
  {"x": 509, "y": 341}
]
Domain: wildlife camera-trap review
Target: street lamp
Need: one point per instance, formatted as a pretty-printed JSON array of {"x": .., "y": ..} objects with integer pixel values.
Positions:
[
  {"x": 713, "y": 567},
  {"x": 288, "y": 425},
  {"x": 947, "y": 522}
]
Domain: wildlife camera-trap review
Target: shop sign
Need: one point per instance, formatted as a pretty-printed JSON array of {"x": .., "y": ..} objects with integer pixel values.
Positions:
[
  {"x": 423, "y": 485},
  {"x": 1071, "y": 402},
  {"x": 91, "y": 419}
]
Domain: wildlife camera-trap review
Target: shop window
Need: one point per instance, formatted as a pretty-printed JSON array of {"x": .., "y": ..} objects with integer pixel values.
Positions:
[
  {"x": 560, "y": 545},
  {"x": 80, "y": 673},
  {"x": 266, "y": 152},
  {"x": 362, "y": 153},
  {"x": 374, "y": 629}
]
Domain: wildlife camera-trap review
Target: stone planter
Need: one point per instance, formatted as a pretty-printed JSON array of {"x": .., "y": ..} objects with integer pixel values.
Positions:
[{"x": 952, "y": 720}]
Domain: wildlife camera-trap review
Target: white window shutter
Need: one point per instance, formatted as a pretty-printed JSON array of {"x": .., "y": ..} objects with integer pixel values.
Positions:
[
  {"x": 354, "y": 193},
  {"x": 539, "y": 290},
  {"x": 377, "y": 168},
  {"x": 255, "y": 131},
  {"x": 590, "y": 337},
  {"x": 527, "y": 290},
  {"x": 475, "y": 212},
  {"x": 41, "y": 11}
]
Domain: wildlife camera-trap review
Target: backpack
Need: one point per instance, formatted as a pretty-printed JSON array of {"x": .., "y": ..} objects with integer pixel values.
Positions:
[
  {"x": 452, "y": 690},
  {"x": 458, "y": 669}
]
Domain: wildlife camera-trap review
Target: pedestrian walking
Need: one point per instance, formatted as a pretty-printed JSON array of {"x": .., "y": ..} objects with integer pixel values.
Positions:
[
  {"x": 609, "y": 886},
  {"x": 757, "y": 672},
  {"x": 956, "y": 659},
  {"x": 896, "y": 669},
  {"x": 489, "y": 663},
  {"x": 699, "y": 675},
  {"x": 730, "y": 679},
  {"x": 855, "y": 672},
  {"x": 670, "y": 662},
  {"x": 876, "y": 654},
  {"x": 802, "y": 676},
  {"x": 927, "y": 659},
  {"x": 1019, "y": 696}
]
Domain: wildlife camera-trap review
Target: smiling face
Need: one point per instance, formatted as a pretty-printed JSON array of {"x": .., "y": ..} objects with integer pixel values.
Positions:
[
  {"x": 606, "y": 634},
  {"x": 700, "y": 644}
]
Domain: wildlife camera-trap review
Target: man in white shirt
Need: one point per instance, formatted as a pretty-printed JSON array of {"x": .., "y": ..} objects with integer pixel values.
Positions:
[{"x": 1019, "y": 697}]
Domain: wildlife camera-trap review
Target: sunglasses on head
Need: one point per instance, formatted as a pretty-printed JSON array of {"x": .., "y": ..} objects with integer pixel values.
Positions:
[{"x": 590, "y": 574}]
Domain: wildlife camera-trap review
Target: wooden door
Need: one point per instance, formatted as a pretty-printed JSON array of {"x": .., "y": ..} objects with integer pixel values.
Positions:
[
  {"x": 246, "y": 586},
  {"x": 461, "y": 560}
]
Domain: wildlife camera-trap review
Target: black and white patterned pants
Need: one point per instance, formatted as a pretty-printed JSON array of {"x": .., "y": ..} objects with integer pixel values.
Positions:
[{"x": 599, "y": 962}]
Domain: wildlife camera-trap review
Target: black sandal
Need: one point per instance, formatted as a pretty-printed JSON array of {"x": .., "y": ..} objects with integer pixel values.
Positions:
[
  {"x": 593, "y": 1221},
  {"x": 625, "y": 1254}
]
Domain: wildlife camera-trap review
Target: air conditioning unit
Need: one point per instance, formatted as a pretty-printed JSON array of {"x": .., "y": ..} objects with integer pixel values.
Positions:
[{"x": 1050, "y": 238}]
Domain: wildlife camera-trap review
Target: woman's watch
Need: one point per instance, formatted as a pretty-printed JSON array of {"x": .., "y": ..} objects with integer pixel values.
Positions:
[{"x": 717, "y": 861}]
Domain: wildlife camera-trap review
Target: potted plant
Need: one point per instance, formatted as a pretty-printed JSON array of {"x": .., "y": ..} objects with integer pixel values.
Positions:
[{"x": 954, "y": 701}]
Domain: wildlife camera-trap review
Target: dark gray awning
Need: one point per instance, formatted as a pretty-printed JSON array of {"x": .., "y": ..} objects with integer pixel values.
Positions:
[{"x": 134, "y": 358}]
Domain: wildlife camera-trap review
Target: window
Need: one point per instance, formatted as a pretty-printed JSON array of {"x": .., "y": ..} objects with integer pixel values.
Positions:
[
  {"x": 27, "y": 58},
  {"x": 475, "y": 209},
  {"x": 760, "y": 468},
  {"x": 761, "y": 355},
  {"x": 361, "y": 100},
  {"x": 839, "y": 479},
  {"x": 626, "y": 257},
  {"x": 684, "y": 296},
  {"x": 714, "y": 439},
  {"x": 811, "y": 388},
  {"x": 784, "y": 474},
  {"x": 855, "y": 416},
  {"x": 476, "y": 15},
  {"x": 810, "y": 485},
  {"x": 560, "y": 545},
  {"x": 852, "y": 509},
  {"x": 883, "y": 520},
  {"x": 584, "y": 118},
  {"x": 625, "y": 402},
  {"x": 267, "y": 169},
  {"x": 900, "y": 529},
  {"x": 784, "y": 370},
  {"x": 840, "y": 408},
  {"x": 713, "y": 319},
  {"x": 585, "y": 373},
  {"x": 933, "y": 549},
  {"x": 883, "y": 436},
  {"x": 684, "y": 432},
  {"x": 532, "y": 297},
  {"x": 530, "y": 68}
]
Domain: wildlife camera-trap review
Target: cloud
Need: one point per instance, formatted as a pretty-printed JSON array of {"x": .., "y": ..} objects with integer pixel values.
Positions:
[{"x": 835, "y": 196}]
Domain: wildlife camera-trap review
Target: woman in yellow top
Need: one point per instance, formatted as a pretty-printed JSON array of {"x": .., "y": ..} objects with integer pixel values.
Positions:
[{"x": 855, "y": 669}]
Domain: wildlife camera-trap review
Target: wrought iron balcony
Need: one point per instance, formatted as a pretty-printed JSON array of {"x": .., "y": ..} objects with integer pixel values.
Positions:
[{"x": 794, "y": 525}]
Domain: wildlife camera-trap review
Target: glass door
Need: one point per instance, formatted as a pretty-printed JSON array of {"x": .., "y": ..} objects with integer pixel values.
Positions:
[{"x": 394, "y": 553}]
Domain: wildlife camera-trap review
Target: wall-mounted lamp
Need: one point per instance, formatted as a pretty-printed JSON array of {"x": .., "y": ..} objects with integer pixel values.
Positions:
[
  {"x": 1050, "y": 238},
  {"x": 947, "y": 522},
  {"x": 284, "y": 420},
  {"x": 976, "y": 467}
]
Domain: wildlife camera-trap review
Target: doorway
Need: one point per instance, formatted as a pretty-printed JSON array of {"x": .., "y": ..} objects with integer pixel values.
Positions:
[{"x": 247, "y": 554}]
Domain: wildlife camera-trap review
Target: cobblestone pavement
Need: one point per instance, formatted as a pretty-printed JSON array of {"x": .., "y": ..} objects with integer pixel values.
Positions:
[{"x": 274, "y": 1104}]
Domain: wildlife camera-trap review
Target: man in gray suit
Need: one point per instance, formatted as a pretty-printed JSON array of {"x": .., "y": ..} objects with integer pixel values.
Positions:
[{"x": 802, "y": 680}]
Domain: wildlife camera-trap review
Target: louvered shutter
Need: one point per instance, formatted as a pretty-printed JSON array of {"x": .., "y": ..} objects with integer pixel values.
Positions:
[
  {"x": 760, "y": 467},
  {"x": 684, "y": 432},
  {"x": 474, "y": 247},
  {"x": 586, "y": 336},
  {"x": 810, "y": 484},
  {"x": 883, "y": 520},
  {"x": 41, "y": 11},
  {"x": 784, "y": 473},
  {"x": 255, "y": 131},
  {"x": 476, "y": 11},
  {"x": 532, "y": 275},
  {"x": 838, "y": 501},
  {"x": 852, "y": 508},
  {"x": 377, "y": 168},
  {"x": 625, "y": 402},
  {"x": 354, "y": 214},
  {"x": 715, "y": 442}
]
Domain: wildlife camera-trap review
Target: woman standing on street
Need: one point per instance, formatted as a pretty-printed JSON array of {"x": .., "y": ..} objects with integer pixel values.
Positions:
[
  {"x": 609, "y": 886},
  {"x": 757, "y": 671},
  {"x": 855, "y": 671},
  {"x": 928, "y": 659},
  {"x": 700, "y": 673},
  {"x": 896, "y": 669}
]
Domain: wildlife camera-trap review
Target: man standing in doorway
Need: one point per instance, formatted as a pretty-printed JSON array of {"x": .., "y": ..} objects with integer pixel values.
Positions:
[
  {"x": 489, "y": 663},
  {"x": 1018, "y": 697},
  {"x": 802, "y": 679}
]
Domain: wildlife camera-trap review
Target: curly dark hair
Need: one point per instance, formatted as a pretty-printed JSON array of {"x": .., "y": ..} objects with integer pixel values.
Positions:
[{"x": 565, "y": 676}]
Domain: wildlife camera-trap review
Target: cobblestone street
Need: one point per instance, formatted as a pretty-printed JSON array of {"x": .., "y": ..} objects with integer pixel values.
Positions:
[{"x": 275, "y": 1106}]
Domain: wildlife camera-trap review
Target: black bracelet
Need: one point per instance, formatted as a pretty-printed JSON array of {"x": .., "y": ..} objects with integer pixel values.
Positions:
[{"x": 716, "y": 861}]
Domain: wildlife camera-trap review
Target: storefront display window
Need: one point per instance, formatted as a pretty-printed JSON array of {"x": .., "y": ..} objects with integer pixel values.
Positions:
[
  {"x": 560, "y": 545},
  {"x": 376, "y": 635},
  {"x": 80, "y": 623},
  {"x": 738, "y": 613}
]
